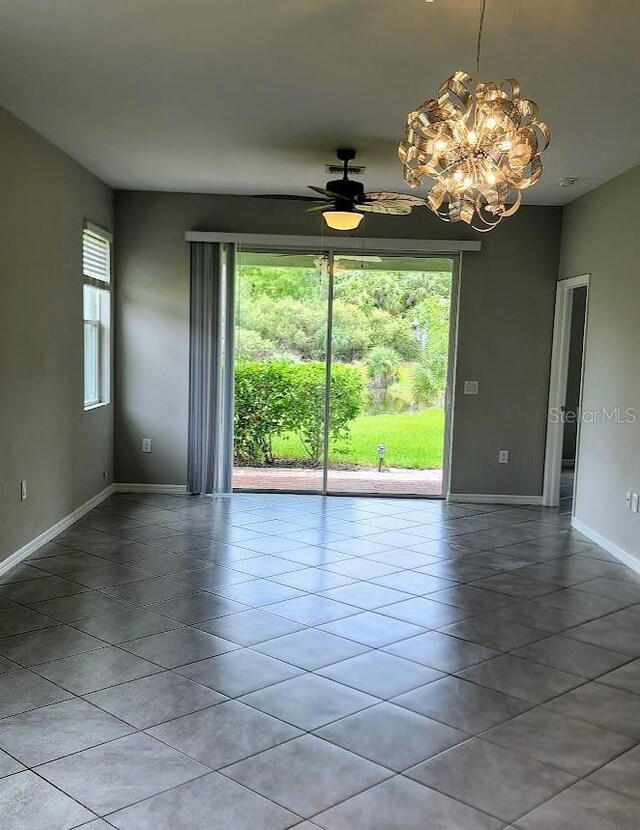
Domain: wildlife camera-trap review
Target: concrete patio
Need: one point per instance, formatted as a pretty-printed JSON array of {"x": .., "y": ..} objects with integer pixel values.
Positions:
[{"x": 391, "y": 482}]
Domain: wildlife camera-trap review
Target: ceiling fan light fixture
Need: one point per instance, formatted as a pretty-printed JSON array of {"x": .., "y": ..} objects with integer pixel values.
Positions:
[{"x": 342, "y": 220}]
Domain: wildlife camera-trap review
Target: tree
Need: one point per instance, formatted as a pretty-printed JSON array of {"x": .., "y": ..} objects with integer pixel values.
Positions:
[
  {"x": 251, "y": 345},
  {"x": 279, "y": 282},
  {"x": 382, "y": 365},
  {"x": 397, "y": 292},
  {"x": 430, "y": 375},
  {"x": 395, "y": 332},
  {"x": 296, "y": 327},
  {"x": 351, "y": 332}
]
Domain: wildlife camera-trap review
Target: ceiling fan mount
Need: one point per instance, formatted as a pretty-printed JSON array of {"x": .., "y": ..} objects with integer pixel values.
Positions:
[
  {"x": 346, "y": 154},
  {"x": 344, "y": 201},
  {"x": 346, "y": 191}
]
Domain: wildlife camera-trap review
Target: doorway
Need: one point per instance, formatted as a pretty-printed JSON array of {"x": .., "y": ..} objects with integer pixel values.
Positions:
[
  {"x": 343, "y": 372},
  {"x": 565, "y": 395}
]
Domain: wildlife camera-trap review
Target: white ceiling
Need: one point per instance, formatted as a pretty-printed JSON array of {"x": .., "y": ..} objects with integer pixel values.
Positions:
[{"x": 253, "y": 96}]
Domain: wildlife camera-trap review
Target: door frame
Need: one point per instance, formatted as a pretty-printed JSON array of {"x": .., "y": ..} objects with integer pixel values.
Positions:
[
  {"x": 452, "y": 368},
  {"x": 330, "y": 246},
  {"x": 558, "y": 386}
]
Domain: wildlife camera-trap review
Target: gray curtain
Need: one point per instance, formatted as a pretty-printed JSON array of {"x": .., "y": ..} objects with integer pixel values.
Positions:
[{"x": 211, "y": 368}]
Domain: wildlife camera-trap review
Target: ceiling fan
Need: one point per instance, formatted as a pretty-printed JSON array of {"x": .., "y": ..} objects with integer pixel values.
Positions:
[{"x": 344, "y": 201}]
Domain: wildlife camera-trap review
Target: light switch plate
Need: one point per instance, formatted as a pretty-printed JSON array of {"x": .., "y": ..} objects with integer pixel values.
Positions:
[
  {"x": 503, "y": 456},
  {"x": 471, "y": 387},
  {"x": 635, "y": 502},
  {"x": 146, "y": 445}
]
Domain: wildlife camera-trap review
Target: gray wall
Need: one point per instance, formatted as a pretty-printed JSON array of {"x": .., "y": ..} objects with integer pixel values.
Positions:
[
  {"x": 45, "y": 437},
  {"x": 506, "y": 318},
  {"x": 600, "y": 236}
]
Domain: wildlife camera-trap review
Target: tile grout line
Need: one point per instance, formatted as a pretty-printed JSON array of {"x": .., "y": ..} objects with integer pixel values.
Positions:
[{"x": 475, "y": 615}]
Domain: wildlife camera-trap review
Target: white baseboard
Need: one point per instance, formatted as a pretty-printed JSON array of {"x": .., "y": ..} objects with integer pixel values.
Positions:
[
  {"x": 624, "y": 556},
  {"x": 47, "y": 535},
  {"x": 151, "y": 488},
  {"x": 490, "y": 498}
]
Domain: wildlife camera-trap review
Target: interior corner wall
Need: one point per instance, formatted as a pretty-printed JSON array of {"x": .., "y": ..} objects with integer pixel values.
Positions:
[
  {"x": 600, "y": 237},
  {"x": 46, "y": 438},
  {"x": 506, "y": 320}
]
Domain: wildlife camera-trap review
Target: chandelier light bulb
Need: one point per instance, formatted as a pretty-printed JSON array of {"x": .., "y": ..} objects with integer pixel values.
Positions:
[{"x": 472, "y": 137}]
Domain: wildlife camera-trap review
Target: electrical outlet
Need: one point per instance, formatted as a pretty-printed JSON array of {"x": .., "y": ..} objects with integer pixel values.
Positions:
[
  {"x": 635, "y": 502},
  {"x": 146, "y": 445},
  {"x": 503, "y": 456},
  {"x": 471, "y": 387},
  {"x": 23, "y": 491}
]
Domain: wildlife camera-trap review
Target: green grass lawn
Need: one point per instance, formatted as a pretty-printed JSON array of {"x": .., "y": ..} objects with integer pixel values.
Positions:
[{"x": 414, "y": 440}]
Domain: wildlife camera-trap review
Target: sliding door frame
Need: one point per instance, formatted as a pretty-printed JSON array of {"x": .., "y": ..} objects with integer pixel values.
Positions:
[
  {"x": 227, "y": 386},
  {"x": 452, "y": 368},
  {"x": 329, "y": 246},
  {"x": 330, "y": 252},
  {"x": 328, "y": 356}
]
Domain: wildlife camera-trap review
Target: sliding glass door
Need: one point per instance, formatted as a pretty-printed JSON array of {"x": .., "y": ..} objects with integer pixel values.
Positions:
[
  {"x": 281, "y": 371},
  {"x": 342, "y": 372},
  {"x": 391, "y": 334}
]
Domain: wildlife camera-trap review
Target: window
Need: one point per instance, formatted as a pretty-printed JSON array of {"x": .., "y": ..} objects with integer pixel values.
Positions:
[{"x": 96, "y": 270}]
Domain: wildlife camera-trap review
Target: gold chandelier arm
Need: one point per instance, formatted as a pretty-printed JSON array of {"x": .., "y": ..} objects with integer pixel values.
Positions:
[
  {"x": 514, "y": 207},
  {"x": 511, "y": 87},
  {"x": 545, "y": 132}
]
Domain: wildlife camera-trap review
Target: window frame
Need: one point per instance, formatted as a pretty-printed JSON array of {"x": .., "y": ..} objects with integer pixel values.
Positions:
[{"x": 104, "y": 321}]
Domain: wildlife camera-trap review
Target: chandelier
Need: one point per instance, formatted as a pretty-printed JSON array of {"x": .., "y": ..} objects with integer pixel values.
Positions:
[{"x": 479, "y": 147}]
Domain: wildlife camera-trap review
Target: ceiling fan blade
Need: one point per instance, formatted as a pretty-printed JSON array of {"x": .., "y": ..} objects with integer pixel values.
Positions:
[
  {"x": 328, "y": 194},
  {"x": 289, "y": 197},
  {"x": 386, "y": 196},
  {"x": 391, "y": 207},
  {"x": 323, "y": 206},
  {"x": 357, "y": 258}
]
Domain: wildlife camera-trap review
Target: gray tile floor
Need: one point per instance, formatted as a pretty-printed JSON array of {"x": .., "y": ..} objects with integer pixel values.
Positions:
[{"x": 268, "y": 662}]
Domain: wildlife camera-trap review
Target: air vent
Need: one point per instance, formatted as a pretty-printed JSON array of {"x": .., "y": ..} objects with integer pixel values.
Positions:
[
  {"x": 568, "y": 181},
  {"x": 338, "y": 169}
]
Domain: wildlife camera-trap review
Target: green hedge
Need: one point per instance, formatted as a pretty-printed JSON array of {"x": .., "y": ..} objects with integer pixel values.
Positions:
[{"x": 273, "y": 397}]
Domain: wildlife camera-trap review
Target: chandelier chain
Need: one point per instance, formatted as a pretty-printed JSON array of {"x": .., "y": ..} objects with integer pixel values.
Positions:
[{"x": 483, "y": 4}]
